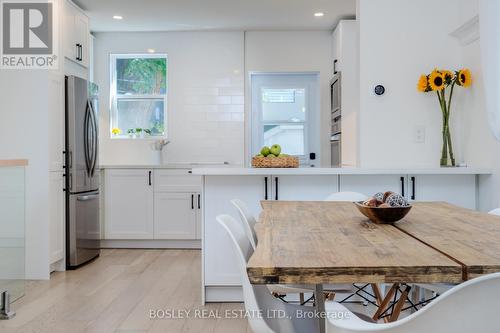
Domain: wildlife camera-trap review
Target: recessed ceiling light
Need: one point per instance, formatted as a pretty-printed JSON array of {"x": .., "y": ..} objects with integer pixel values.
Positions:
[
  {"x": 118, "y": 17},
  {"x": 319, "y": 14},
  {"x": 151, "y": 50}
]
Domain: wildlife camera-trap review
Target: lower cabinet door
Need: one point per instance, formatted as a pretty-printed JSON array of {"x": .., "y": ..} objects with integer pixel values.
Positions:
[
  {"x": 459, "y": 190},
  {"x": 304, "y": 188},
  {"x": 175, "y": 215},
  {"x": 128, "y": 202},
  {"x": 371, "y": 184},
  {"x": 57, "y": 217}
]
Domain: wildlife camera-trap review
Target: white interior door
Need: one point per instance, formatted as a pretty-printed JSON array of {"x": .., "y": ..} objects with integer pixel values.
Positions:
[{"x": 285, "y": 111}]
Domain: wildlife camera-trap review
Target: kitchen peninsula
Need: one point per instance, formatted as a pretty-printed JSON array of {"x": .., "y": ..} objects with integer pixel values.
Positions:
[{"x": 221, "y": 279}]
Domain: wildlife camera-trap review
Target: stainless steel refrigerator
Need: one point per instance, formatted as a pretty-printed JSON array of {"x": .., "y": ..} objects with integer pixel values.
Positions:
[{"x": 83, "y": 229}]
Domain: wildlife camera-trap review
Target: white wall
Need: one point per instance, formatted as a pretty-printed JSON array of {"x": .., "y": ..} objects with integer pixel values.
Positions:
[
  {"x": 481, "y": 148},
  {"x": 205, "y": 96},
  {"x": 397, "y": 44},
  {"x": 24, "y": 134},
  {"x": 294, "y": 51}
]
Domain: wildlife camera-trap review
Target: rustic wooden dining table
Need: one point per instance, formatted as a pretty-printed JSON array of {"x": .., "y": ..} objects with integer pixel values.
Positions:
[{"x": 317, "y": 243}]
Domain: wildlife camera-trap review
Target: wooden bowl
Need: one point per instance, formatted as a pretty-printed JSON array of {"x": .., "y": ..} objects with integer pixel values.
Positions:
[{"x": 381, "y": 215}]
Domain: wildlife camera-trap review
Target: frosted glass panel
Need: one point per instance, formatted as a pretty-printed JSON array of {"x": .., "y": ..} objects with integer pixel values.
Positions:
[
  {"x": 12, "y": 243},
  {"x": 283, "y": 105},
  {"x": 289, "y": 137}
]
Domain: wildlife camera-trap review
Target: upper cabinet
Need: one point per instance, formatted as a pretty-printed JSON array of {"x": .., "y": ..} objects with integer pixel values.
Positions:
[
  {"x": 76, "y": 34},
  {"x": 345, "y": 47}
]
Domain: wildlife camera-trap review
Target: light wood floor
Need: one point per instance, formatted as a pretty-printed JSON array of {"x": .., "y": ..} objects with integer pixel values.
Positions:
[{"x": 116, "y": 292}]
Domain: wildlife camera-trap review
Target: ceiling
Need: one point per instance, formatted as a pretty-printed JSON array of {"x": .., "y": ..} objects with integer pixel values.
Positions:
[{"x": 186, "y": 15}]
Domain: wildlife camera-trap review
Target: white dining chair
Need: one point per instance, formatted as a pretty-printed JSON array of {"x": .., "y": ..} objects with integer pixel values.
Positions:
[
  {"x": 495, "y": 211},
  {"x": 247, "y": 219},
  {"x": 469, "y": 307},
  {"x": 257, "y": 298},
  {"x": 247, "y": 222},
  {"x": 346, "y": 196}
]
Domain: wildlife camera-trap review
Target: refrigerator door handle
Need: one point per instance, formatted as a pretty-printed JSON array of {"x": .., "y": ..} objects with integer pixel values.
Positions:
[
  {"x": 94, "y": 139},
  {"x": 87, "y": 197},
  {"x": 86, "y": 143}
]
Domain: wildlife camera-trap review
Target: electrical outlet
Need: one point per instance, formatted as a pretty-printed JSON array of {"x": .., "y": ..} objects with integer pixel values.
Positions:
[{"x": 419, "y": 134}]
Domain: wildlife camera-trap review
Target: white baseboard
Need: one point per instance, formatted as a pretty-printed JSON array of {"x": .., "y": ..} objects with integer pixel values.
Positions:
[
  {"x": 217, "y": 294},
  {"x": 58, "y": 266},
  {"x": 150, "y": 244}
]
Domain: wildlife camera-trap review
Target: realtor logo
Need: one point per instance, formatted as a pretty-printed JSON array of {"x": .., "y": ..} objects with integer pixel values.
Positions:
[{"x": 28, "y": 35}]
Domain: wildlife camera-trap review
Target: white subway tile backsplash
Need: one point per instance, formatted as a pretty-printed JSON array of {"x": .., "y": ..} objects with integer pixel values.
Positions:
[
  {"x": 231, "y": 91},
  {"x": 238, "y": 100},
  {"x": 202, "y": 91},
  {"x": 237, "y": 117},
  {"x": 223, "y": 100},
  {"x": 223, "y": 82},
  {"x": 231, "y": 108}
]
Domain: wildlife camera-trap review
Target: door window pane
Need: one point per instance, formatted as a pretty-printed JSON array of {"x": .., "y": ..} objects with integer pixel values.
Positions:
[
  {"x": 141, "y": 113},
  {"x": 283, "y": 105},
  {"x": 141, "y": 76},
  {"x": 289, "y": 136}
]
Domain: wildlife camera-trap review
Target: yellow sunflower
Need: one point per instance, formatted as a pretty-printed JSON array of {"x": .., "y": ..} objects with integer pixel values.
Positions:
[
  {"x": 448, "y": 75},
  {"x": 464, "y": 78},
  {"x": 116, "y": 131},
  {"x": 423, "y": 84},
  {"x": 437, "y": 81}
]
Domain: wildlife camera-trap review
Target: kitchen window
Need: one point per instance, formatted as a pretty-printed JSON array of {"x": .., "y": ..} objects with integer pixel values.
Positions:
[
  {"x": 284, "y": 112},
  {"x": 138, "y": 95}
]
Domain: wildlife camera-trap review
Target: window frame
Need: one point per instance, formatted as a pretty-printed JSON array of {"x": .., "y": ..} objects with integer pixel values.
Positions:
[
  {"x": 114, "y": 97},
  {"x": 310, "y": 122}
]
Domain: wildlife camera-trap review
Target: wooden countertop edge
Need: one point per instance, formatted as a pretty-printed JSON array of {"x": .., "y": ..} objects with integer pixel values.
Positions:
[{"x": 13, "y": 163}]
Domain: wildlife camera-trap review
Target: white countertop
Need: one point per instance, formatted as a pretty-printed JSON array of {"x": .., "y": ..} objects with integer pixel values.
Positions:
[
  {"x": 239, "y": 171},
  {"x": 162, "y": 166}
]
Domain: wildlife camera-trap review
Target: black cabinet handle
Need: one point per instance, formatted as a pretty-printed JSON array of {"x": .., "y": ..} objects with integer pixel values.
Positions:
[
  {"x": 199, "y": 201},
  {"x": 403, "y": 186},
  {"x": 412, "y": 188},
  {"x": 335, "y": 66},
  {"x": 266, "y": 197},
  {"x": 276, "y": 197},
  {"x": 149, "y": 178},
  {"x": 192, "y": 201}
]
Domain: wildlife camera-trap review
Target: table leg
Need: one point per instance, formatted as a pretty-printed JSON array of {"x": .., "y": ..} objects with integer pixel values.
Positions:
[
  {"x": 400, "y": 304},
  {"x": 385, "y": 301},
  {"x": 319, "y": 299},
  {"x": 378, "y": 297}
]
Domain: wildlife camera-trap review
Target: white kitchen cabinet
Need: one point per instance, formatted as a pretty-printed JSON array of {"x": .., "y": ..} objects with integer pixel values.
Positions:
[
  {"x": 455, "y": 189},
  {"x": 371, "y": 184},
  {"x": 307, "y": 188},
  {"x": 76, "y": 34},
  {"x": 56, "y": 216},
  {"x": 56, "y": 121},
  {"x": 129, "y": 203},
  {"x": 176, "y": 180},
  {"x": 220, "y": 263},
  {"x": 175, "y": 215},
  {"x": 346, "y": 62}
]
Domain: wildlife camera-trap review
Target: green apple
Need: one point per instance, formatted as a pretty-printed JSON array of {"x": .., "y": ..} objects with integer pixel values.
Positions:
[
  {"x": 265, "y": 151},
  {"x": 275, "y": 150},
  {"x": 271, "y": 156},
  {"x": 260, "y": 155}
]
